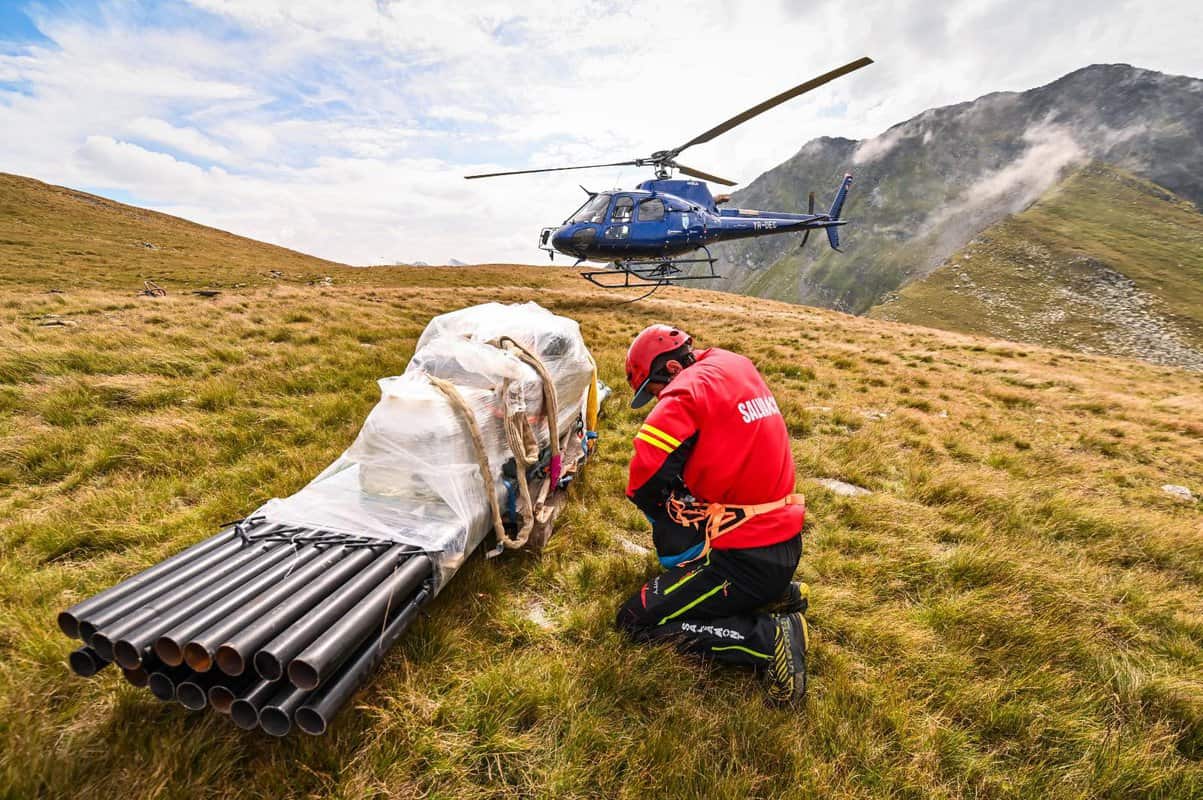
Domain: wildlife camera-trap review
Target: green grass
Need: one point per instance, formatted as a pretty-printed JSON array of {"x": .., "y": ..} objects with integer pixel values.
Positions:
[
  {"x": 1012, "y": 280},
  {"x": 1016, "y": 611}
]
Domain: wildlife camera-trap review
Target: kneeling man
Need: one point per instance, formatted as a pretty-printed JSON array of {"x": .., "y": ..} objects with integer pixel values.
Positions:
[{"x": 714, "y": 474}]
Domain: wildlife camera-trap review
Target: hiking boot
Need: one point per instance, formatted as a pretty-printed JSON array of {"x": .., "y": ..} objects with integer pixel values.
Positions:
[
  {"x": 794, "y": 600},
  {"x": 787, "y": 671}
]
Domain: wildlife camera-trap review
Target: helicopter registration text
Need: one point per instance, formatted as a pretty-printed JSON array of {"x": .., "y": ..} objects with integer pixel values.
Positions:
[{"x": 765, "y": 224}]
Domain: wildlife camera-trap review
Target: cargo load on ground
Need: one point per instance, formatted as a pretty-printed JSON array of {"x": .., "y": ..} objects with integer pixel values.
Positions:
[{"x": 278, "y": 618}]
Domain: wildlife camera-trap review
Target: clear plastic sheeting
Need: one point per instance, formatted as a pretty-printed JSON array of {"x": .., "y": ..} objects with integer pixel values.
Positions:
[{"x": 412, "y": 475}]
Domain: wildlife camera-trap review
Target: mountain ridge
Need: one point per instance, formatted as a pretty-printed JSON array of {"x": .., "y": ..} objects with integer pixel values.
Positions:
[{"x": 927, "y": 184}]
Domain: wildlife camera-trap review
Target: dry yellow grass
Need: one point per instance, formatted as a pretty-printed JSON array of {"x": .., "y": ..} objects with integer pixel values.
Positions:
[{"x": 1014, "y": 612}]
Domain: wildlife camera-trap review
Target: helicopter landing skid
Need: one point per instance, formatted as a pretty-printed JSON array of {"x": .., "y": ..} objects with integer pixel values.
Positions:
[{"x": 641, "y": 274}]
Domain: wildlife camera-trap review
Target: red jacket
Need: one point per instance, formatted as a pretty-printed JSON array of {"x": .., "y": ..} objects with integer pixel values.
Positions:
[{"x": 717, "y": 434}]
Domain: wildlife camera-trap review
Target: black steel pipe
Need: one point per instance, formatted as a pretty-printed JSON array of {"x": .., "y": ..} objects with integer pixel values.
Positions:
[
  {"x": 222, "y": 695},
  {"x": 321, "y": 706},
  {"x": 86, "y": 662},
  {"x": 112, "y": 612},
  {"x": 201, "y": 648},
  {"x": 275, "y": 718},
  {"x": 162, "y": 682},
  {"x": 193, "y": 692},
  {"x": 68, "y": 620},
  {"x": 332, "y": 648},
  {"x": 273, "y": 657},
  {"x": 140, "y": 677},
  {"x": 236, "y": 652},
  {"x": 169, "y": 645},
  {"x": 102, "y": 642},
  {"x": 229, "y": 593},
  {"x": 136, "y": 677},
  {"x": 245, "y": 710}
]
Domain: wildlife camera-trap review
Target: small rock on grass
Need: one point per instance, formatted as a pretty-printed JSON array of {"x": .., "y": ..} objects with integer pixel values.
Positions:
[
  {"x": 536, "y": 614},
  {"x": 631, "y": 547},
  {"x": 842, "y": 488},
  {"x": 1180, "y": 492}
]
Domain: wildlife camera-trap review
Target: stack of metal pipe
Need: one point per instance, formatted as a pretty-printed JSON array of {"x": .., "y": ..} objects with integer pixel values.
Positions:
[{"x": 274, "y": 626}]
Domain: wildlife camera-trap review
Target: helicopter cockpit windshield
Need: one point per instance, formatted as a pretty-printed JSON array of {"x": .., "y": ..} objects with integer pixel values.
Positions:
[{"x": 594, "y": 210}]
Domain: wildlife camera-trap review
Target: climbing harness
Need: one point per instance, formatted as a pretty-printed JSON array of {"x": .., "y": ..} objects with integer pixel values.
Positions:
[{"x": 718, "y": 519}]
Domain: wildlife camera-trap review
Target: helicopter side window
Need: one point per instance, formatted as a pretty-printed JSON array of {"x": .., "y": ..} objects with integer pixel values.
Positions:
[
  {"x": 594, "y": 210},
  {"x": 623, "y": 208},
  {"x": 651, "y": 210},
  {"x": 618, "y": 231}
]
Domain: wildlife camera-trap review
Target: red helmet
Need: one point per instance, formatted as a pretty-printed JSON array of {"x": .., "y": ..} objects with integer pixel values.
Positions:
[{"x": 651, "y": 343}]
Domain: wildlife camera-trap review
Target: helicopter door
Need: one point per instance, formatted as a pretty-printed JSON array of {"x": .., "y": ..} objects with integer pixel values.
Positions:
[
  {"x": 647, "y": 230},
  {"x": 619, "y": 230}
]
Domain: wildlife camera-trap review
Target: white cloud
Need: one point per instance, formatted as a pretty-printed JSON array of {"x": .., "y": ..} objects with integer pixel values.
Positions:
[
  {"x": 873, "y": 149},
  {"x": 188, "y": 140},
  {"x": 344, "y": 129},
  {"x": 1051, "y": 149}
]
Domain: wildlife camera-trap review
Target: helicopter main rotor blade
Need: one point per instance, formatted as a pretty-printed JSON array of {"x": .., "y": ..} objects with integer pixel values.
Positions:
[
  {"x": 789, "y": 94},
  {"x": 551, "y": 169},
  {"x": 697, "y": 173}
]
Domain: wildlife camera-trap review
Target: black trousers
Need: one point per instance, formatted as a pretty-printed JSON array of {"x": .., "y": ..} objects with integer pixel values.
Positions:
[{"x": 710, "y": 607}]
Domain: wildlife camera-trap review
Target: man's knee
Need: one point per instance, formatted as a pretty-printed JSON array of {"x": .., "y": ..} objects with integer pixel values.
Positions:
[{"x": 632, "y": 617}]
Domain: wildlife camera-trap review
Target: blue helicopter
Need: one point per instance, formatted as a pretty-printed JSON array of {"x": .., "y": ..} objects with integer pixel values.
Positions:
[{"x": 642, "y": 234}]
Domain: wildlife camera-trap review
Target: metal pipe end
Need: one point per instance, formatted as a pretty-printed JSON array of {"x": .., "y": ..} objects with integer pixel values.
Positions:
[
  {"x": 83, "y": 663},
  {"x": 310, "y": 721},
  {"x": 230, "y": 661},
  {"x": 102, "y": 645},
  {"x": 303, "y": 675},
  {"x": 86, "y": 630},
  {"x": 221, "y": 698},
  {"x": 136, "y": 677},
  {"x": 160, "y": 686},
  {"x": 268, "y": 666},
  {"x": 126, "y": 654},
  {"x": 191, "y": 696},
  {"x": 169, "y": 651},
  {"x": 275, "y": 721},
  {"x": 197, "y": 657},
  {"x": 244, "y": 714},
  {"x": 68, "y": 624}
]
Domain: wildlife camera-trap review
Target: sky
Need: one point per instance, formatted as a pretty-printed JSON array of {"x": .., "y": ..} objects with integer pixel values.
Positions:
[{"x": 344, "y": 129}]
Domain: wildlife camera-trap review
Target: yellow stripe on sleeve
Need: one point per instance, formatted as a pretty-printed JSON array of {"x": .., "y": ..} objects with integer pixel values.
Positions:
[
  {"x": 657, "y": 432},
  {"x": 643, "y": 437}
]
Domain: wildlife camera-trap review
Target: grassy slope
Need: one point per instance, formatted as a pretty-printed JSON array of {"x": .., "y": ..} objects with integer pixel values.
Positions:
[
  {"x": 1030, "y": 277},
  {"x": 1015, "y": 611}
]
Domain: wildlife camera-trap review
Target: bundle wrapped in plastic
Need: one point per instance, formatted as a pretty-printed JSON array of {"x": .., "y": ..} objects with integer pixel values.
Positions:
[{"x": 414, "y": 473}]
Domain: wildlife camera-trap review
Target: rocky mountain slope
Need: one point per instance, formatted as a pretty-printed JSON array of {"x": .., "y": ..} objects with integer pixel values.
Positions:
[
  {"x": 1104, "y": 263},
  {"x": 927, "y": 186}
]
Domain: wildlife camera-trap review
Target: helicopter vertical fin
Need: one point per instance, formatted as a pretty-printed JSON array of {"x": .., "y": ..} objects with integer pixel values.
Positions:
[
  {"x": 837, "y": 205},
  {"x": 841, "y": 195}
]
